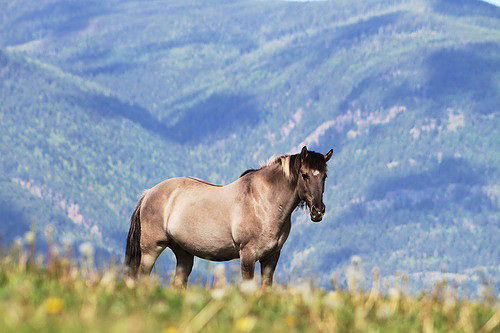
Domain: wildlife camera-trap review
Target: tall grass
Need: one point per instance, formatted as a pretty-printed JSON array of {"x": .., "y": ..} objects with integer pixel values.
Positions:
[{"x": 58, "y": 293}]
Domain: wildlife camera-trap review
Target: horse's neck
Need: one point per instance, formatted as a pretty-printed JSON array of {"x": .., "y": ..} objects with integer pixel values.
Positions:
[{"x": 282, "y": 194}]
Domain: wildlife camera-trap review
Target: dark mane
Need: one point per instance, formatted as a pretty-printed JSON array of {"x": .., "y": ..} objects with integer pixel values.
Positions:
[
  {"x": 313, "y": 160},
  {"x": 248, "y": 171}
]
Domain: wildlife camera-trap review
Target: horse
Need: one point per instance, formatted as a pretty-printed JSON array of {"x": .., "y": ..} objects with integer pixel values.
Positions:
[{"x": 249, "y": 219}]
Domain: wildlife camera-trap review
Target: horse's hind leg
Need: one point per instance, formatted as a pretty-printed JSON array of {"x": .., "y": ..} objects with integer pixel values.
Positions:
[
  {"x": 149, "y": 256},
  {"x": 184, "y": 266},
  {"x": 153, "y": 242}
]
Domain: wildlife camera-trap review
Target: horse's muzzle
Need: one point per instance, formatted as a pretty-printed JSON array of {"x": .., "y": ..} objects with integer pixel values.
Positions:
[{"x": 317, "y": 213}]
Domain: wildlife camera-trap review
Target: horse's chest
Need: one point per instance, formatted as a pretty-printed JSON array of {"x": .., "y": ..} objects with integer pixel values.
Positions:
[{"x": 272, "y": 239}]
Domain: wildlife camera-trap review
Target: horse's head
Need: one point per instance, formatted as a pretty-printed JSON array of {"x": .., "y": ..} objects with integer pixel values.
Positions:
[{"x": 311, "y": 181}]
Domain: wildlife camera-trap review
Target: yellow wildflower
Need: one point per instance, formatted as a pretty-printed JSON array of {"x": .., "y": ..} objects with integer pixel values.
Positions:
[
  {"x": 246, "y": 324},
  {"x": 333, "y": 299},
  {"x": 171, "y": 330},
  {"x": 53, "y": 305},
  {"x": 29, "y": 237},
  {"x": 290, "y": 320},
  {"x": 383, "y": 311}
]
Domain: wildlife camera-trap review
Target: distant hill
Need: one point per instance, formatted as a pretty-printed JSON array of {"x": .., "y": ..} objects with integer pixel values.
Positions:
[{"x": 102, "y": 99}]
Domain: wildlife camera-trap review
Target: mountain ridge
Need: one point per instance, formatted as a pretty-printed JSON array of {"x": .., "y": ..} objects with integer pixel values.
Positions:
[{"x": 124, "y": 101}]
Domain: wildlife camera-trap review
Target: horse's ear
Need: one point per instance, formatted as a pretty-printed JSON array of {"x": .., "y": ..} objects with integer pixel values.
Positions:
[
  {"x": 328, "y": 155},
  {"x": 303, "y": 153}
]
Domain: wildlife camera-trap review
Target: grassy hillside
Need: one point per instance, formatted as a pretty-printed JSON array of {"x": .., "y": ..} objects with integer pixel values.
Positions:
[
  {"x": 64, "y": 297},
  {"x": 103, "y": 99}
]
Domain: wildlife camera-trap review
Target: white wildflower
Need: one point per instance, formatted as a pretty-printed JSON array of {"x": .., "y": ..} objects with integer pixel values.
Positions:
[
  {"x": 355, "y": 274},
  {"x": 129, "y": 282},
  {"x": 356, "y": 260},
  {"x": 218, "y": 293},
  {"x": 394, "y": 293},
  {"x": 86, "y": 249},
  {"x": 248, "y": 287},
  {"x": 18, "y": 242}
]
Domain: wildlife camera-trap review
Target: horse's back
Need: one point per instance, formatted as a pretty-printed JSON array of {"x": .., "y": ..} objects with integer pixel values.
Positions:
[
  {"x": 178, "y": 191},
  {"x": 168, "y": 186}
]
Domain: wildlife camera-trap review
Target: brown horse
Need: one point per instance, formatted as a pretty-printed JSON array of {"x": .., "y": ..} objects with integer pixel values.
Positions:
[{"x": 247, "y": 219}]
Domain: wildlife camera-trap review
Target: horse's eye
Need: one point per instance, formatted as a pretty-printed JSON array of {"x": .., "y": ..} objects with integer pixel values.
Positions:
[{"x": 305, "y": 176}]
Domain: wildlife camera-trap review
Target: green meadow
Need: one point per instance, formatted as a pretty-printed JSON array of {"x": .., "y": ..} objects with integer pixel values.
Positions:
[{"x": 60, "y": 294}]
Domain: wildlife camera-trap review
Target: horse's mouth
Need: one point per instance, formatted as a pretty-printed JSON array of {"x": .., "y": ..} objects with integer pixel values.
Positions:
[{"x": 316, "y": 218}]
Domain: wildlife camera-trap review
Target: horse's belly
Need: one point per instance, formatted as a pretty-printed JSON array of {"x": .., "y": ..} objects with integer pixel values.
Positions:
[
  {"x": 209, "y": 240},
  {"x": 220, "y": 254}
]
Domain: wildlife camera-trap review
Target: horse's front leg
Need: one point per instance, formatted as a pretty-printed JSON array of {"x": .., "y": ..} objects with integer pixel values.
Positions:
[
  {"x": 247, "y": 261},
  {"x": 183, "y": 268},
  {"x": 267, "y": 267}
]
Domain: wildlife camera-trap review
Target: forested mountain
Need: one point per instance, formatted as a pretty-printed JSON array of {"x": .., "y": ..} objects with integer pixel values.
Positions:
[{"x": 102, "y": 99}]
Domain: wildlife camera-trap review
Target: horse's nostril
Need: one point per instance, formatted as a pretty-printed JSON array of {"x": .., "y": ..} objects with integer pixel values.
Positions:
[{"x": 317, "y": 211}]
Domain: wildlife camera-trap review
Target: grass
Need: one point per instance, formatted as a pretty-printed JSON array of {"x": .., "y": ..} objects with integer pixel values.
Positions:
[{"x": 57, "y": 294}]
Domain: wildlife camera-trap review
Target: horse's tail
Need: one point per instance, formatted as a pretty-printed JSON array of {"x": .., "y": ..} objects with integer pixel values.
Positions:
[{"x": 133, "y": 249}]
